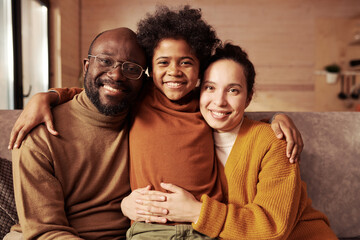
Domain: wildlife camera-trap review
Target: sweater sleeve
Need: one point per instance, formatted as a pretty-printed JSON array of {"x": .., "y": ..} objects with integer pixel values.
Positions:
[
  {"x": 271, "y": 214},
  {"x": 39, "y": 197},
  {"x": 66, "y": 94}
]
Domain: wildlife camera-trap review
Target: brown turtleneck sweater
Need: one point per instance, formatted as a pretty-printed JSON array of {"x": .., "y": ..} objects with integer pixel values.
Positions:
[{"x": 71, "y": 186}]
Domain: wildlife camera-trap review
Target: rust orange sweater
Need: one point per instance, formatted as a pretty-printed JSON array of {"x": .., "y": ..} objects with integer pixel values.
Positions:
[
  {"x": 170, "y": 142},
  {"x": 266, "y": 197}
]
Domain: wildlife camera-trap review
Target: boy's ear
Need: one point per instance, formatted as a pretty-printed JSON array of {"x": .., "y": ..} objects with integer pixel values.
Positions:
[{"x": 85, "y": 66}]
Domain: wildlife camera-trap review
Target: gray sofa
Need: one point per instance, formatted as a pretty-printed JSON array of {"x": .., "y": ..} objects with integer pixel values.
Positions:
[{"x": 330, "y": 165}]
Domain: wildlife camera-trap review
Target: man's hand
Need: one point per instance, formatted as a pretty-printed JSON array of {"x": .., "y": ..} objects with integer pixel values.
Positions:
[{"x": 37, "y": 111}]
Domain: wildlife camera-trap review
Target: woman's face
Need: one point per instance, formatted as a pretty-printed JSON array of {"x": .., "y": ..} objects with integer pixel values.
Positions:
[
  {"x": 224, "y": 95},
  {"x": 175, "y": 68}
]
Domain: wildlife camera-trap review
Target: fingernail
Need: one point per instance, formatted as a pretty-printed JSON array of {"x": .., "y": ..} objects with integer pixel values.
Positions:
[
  {"x": 9, "y": 147},
  {"x": 16, "y": 146},
  {"x": 138, "y": 201},
  {"x": 291, "y": 160}
]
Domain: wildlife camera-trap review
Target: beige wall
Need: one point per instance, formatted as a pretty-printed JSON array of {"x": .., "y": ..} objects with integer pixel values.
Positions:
[{"x": 285, "y": 40}]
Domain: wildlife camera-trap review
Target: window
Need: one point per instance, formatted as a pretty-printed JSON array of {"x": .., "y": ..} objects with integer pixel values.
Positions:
[{"x": 24, "y": 51}]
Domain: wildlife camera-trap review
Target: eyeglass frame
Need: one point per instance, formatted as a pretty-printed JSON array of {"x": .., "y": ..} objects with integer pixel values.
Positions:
[{"x": 119, "y": 63}]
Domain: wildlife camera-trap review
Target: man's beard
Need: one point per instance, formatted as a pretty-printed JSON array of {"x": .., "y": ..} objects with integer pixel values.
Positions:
[{"x": 93, "y": 94}]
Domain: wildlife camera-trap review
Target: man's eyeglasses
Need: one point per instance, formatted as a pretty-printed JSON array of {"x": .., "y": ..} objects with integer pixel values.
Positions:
[{"x": 129, "y": 70}]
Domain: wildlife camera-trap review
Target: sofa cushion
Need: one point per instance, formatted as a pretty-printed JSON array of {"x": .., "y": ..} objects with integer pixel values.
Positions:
[{"x": 8, "y": 216}]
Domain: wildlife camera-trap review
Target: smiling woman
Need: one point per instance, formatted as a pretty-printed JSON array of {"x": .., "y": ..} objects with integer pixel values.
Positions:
[{"x": 224, "y": 95}]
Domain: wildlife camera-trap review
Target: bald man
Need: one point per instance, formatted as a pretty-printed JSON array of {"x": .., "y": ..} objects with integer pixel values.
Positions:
[{"x": 70, "y": 186}]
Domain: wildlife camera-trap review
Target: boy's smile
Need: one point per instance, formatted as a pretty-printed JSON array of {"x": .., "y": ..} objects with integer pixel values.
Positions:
[{"x": 175, "y": 68}]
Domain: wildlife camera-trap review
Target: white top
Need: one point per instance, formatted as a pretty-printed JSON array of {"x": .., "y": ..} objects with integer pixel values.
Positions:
[{"x": 224, "y": 142}]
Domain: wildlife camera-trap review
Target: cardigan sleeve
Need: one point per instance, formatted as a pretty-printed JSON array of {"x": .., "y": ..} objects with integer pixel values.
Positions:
[
  {"x": 39, "y": 197},
  {"x": 271, "y": 214},
  {"x": 66, "y": 94}
]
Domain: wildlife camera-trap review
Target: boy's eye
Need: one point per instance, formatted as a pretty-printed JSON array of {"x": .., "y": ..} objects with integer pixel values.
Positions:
[
  {"x": 186, "y": 63},
  {"x": 162, "y": 62}
]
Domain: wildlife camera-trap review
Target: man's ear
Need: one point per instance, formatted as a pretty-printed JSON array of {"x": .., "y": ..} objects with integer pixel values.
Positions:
[{"x": 85, "y": 66}]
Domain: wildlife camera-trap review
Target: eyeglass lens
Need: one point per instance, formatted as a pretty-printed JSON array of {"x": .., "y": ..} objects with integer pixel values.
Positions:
[{"x": 129, "y": 69}]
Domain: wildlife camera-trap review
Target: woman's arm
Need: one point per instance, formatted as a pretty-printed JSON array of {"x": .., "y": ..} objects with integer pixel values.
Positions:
[
  {"x": 270, "y": 215},
  {"x": 38, "y": 111}
]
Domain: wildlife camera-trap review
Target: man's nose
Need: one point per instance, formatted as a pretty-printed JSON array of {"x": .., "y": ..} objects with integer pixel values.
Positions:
[{"x": 116, "y": 73}]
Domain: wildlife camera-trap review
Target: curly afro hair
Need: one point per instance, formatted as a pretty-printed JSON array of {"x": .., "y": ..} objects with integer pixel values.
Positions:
[{"x": 185, "y": 23}]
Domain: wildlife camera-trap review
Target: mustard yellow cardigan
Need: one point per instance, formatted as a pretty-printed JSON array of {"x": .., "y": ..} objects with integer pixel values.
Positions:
[{"x": 266, "y": 197}]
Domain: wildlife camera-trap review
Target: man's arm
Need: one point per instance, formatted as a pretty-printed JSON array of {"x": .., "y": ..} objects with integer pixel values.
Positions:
[{"x": 39, "y": 197}]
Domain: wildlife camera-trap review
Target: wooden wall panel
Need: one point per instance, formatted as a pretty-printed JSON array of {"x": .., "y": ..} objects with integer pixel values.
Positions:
[
  {"x": 65, "y": 43},
  {"x": 280, "y": 37}
]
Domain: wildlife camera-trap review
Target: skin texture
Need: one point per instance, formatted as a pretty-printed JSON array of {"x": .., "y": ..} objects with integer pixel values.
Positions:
[{"x": 175, "y": 68}]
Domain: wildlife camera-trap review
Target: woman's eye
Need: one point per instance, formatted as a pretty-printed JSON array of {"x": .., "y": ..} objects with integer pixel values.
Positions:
[
  {"x": 234, "y": 90},
  {"x": 209, "y": 88}
]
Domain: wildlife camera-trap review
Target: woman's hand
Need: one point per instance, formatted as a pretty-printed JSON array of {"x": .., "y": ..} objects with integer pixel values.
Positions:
[
  {"x": 135, "y": 211},
  {"x": 181, "y": 205},
  {"x": 283, "y": 126},
  {"x": 37, "y": 111}
]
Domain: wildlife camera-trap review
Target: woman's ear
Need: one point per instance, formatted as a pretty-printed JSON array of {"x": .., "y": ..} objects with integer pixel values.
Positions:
[{"x": 249, "y": 98}]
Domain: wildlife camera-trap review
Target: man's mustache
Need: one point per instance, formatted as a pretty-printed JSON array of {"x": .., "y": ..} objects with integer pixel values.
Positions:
[{"x": 122, "y": 85}]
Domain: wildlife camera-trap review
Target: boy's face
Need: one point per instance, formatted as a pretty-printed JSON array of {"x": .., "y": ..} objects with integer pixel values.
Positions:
[{"x": 175, "y": 68}]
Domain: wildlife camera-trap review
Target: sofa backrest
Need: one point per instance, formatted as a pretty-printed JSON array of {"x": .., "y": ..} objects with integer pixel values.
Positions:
[
  {"x": 330, "y": 162},
  {"x": 7, "y": 120}
]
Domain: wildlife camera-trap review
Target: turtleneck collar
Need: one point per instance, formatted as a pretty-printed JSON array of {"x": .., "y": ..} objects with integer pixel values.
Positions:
[
  {"x": 92, "y": 115},
  {"x": 189, "y": 103}
]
